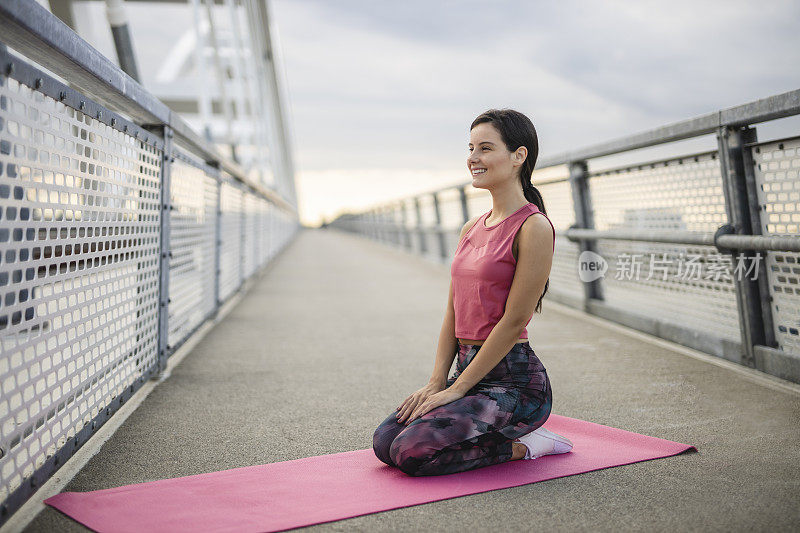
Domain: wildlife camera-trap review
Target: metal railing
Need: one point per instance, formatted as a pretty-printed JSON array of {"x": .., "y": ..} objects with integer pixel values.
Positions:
[
  {"x": 737, "y": 206},
  {"x": 122, "y": 231}
]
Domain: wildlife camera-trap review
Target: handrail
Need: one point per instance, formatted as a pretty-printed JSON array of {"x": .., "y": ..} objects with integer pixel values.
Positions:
[
  {"x": 770, "y": 108},
  {"x": 776, "y": 243}
]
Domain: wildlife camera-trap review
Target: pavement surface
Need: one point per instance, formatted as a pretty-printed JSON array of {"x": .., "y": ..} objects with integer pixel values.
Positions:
[{"x": 339, "y": 329}]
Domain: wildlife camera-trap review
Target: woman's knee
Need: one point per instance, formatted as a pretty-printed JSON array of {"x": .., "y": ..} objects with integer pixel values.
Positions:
[
  {"x": 411, "y": 452},
  {"x": 380, "y": 445},
  {"x": 383, "y": 437}
]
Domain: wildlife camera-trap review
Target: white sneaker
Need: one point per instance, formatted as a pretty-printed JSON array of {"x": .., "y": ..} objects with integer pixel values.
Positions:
[{"x": 544, "y": 442}]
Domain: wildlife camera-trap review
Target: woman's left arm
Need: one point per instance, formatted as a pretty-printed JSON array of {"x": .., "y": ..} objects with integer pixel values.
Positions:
[{"x": 532, "y": 270}]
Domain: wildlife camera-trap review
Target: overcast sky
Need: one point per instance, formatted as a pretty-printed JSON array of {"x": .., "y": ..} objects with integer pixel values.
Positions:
[{"x": 381, "y": 93}]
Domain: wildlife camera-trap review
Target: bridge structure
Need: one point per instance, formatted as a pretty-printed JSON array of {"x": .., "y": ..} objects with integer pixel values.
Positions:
[{"x": 163, "y": 312}]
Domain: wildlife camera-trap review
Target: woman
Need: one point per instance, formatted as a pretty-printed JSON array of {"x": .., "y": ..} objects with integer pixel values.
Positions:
[{"x": 493, "y": 406}]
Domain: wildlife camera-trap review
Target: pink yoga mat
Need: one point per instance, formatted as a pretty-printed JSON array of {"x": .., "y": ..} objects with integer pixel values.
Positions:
[{"x": 304, "y": 492}]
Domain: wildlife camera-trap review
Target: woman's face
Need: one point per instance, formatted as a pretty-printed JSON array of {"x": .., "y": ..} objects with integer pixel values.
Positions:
[{"x": 489, "y": 160}]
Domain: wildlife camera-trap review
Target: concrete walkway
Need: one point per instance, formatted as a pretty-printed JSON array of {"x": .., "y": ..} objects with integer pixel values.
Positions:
[{"x": 340, "y": 329}]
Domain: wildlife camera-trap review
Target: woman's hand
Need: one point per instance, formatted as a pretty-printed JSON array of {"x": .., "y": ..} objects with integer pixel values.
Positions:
[
  {"x": 410, "y": 403},
  {"x": 433, "y": 401}
]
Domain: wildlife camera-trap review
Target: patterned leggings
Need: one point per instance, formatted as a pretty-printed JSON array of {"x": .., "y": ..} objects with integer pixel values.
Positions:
[{"x": 513, "y": 399}]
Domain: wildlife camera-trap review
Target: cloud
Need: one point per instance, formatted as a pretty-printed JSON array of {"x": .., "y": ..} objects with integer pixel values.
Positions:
[{"x": 364, "y": 96}]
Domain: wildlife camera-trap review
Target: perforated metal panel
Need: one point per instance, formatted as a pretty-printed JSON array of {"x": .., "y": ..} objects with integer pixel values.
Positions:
[
  {"x": 192, "y": 234},
  {"x": 231, "y": 205},
  {"x": 264, "y": 234},
  {"x": 284, "y": 229},
  {"x": 79, "y": 276},
  {"x": 682, "y": 194},
  {"x": 427, "y": 214},
  {"x": 778, "y": 183},
  {"x": 557, "y": 198},
  {"x": 450, "y": 210},
  {"x": 410, "y": 213},
  {"x": 451, "y": 222},
  {"x": 428, "y": 220},
  {"x": 250, "y": 218},
  {"x": 271, "y": 239},
  {"x": 376, "y": 217},
  {"x": 386, "y": 216},
  {"x": 412, "y": 221}
]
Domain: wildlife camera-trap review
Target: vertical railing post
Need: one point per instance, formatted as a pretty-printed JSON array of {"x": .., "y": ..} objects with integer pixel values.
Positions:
[
  {"x": 741, "y": 206},
  {"x": 756, "y": 227},
  {"x": 362, "y": 226},
  {"x": 256, "y": 234},
  {"x": 388, "y": 230},
  {"x": 242, "y": 234},
  {"x": 385, "y": 227},
  {"x": 584, "y": 218},
  {"x": 401, "y": 228},
  {"x": 462, "y": 193},
  {"x": 404, "y": 221},
  {"x": 395, "y": 234},
  {"x": 379, "y": 223},
  {"x": 423, "y": 248},
  {"x": 439, "y": 229},
  {"x": 217, "y": 244},
  {"x": 165, "y": 254},
  {"x": 384, "y": 224}
]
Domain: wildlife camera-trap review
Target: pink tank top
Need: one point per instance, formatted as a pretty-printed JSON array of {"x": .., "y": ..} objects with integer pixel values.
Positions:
[{"x": 482, "y": 271}]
